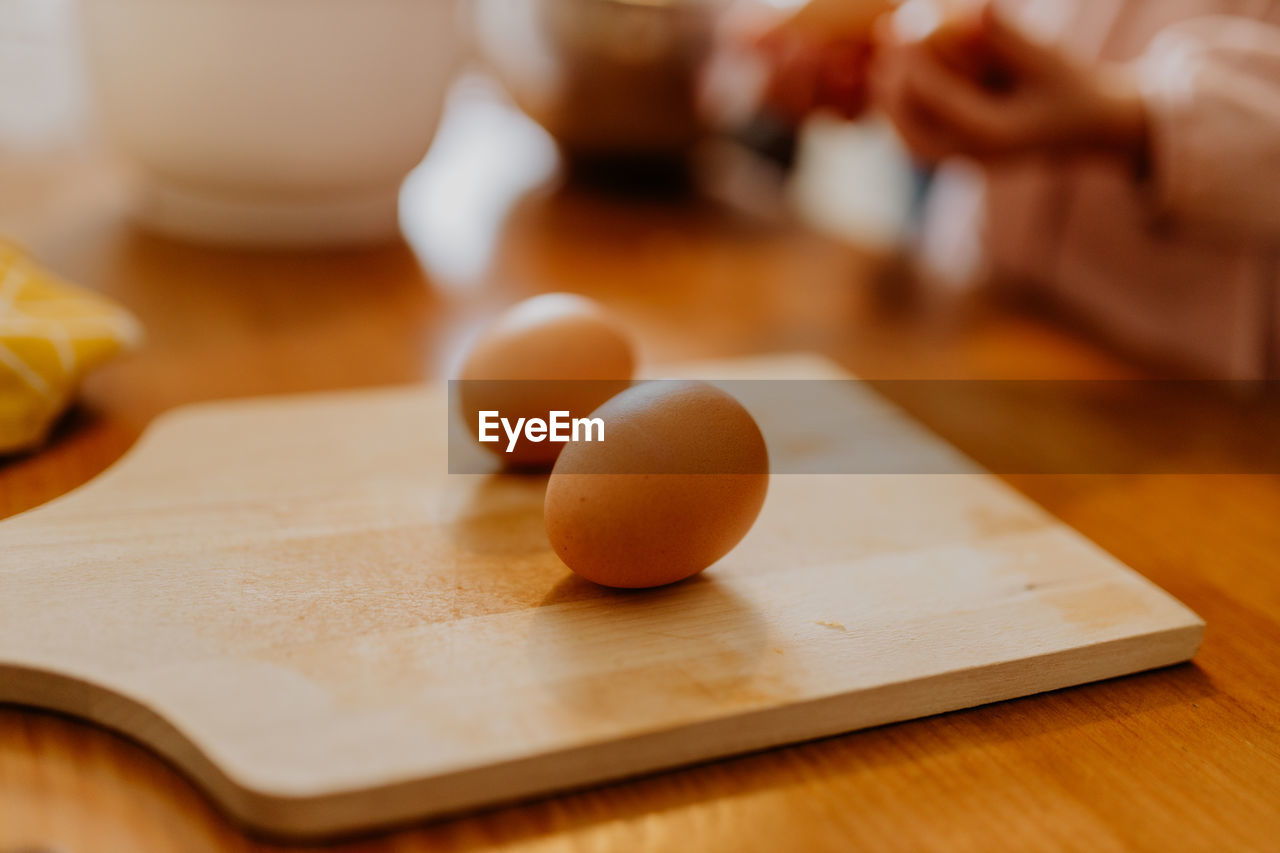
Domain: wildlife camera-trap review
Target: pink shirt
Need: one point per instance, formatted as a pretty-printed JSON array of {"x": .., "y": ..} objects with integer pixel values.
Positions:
[{"x": 1184, "y": 267}]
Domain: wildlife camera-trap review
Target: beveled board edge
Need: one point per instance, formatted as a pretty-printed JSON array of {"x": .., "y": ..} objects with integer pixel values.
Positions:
[{"x": 328, "y": 816}]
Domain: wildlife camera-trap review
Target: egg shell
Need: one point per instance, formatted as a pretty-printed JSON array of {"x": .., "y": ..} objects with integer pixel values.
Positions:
[
  {"x": 555, "y": 352},
  {"x": 677, "y": 482},
  {"x": 838, "y": 19}
]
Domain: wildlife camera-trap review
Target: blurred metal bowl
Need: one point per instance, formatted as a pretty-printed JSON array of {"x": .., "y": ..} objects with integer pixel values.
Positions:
[{"x": 607, "y": 78}]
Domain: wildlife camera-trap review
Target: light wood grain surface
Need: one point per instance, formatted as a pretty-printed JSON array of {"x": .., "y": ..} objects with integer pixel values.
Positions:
[
  {"x": 1184, "y": 758},
  {"x": 413, "y": 647}
]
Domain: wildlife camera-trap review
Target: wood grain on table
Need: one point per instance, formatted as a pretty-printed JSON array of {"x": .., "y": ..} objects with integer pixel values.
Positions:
[{"x": 1184, "y": 758}]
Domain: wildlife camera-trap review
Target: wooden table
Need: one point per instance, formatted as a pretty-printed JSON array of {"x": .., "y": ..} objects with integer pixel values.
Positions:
[{"x": 1187, "y": 758}]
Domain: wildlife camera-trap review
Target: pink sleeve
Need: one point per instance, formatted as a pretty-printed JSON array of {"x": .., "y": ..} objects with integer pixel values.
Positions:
[{"x": 1212, "y": 86}]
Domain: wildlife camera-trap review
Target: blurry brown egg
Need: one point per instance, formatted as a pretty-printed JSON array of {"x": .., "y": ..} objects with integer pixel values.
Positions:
[
  {"x": 677, "y": 482},
  {"x": 555, "y": 352},
  {"x": 838, "y": 19}
]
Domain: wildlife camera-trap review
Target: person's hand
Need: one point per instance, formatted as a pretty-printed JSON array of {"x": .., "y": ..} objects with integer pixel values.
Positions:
[
  {"x": 820, "y": 57},
  {"x": 980, "y": 88}
]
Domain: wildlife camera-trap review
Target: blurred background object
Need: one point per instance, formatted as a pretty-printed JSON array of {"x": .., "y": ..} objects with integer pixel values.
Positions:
[
  {"x": 853, "y": 181},
  {"x": 630, "y": 88},
  {"x": 51, "y": 335},
  {"x": 284, "y": 123},
  {"x": 37, "y": 44},
  {"x": 293, "y": 125},
  {"x": 609, "y": 79}
]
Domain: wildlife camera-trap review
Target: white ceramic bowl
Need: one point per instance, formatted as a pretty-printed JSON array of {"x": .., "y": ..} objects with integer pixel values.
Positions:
[{"x": 271, "y": 122}]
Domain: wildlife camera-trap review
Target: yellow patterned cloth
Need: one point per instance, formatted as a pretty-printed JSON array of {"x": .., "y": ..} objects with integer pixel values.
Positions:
[{"x": 51, "y": 335}]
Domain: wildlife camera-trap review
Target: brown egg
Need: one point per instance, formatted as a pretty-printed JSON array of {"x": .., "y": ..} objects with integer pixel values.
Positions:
[
  {"x": 555, "y": 352},
  {"x": 839, "y": 19},
  {"x": 677, "y": 482}
]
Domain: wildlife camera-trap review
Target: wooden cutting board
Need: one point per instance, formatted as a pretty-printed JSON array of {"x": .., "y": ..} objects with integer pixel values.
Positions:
[{"x": 293, "y": 601}]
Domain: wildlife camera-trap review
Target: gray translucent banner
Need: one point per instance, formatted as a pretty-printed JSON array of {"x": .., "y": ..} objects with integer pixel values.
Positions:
[{"x": 1006, "y": 427}]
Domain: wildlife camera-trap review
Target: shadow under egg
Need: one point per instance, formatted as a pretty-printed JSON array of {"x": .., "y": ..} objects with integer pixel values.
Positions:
[{"x": 500, "y": 515}]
